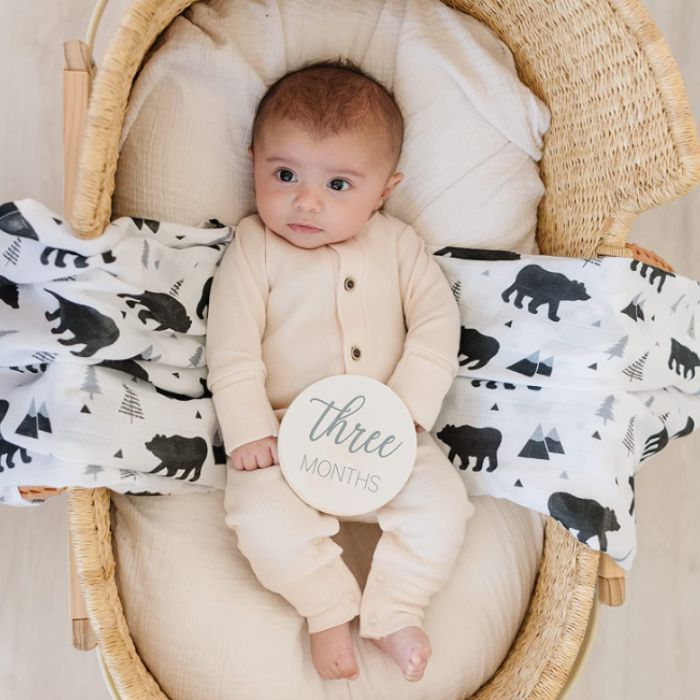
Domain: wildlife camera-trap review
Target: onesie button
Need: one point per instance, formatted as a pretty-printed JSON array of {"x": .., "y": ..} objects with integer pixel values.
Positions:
[
  {"x": 349, "y": 283},
  {"x": 352, "y": 597},
  {"x": 355, "y": 352},
  {"x": 381, "y": 578},
  {"x": 373, "y": 619}
]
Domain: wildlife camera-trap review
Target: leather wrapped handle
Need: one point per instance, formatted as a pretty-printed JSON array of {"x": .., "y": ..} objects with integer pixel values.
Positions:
[{"x": 649, "y": 257}]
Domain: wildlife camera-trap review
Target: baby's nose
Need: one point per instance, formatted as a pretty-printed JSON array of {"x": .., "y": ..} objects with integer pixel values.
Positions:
[{"x": 307, "y": 199}]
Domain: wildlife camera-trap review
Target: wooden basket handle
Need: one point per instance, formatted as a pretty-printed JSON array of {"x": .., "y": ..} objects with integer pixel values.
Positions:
[{"x": 78, "y": 74}]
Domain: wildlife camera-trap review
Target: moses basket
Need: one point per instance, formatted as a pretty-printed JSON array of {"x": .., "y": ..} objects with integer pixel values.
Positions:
[{"x": 588, "y": 60}]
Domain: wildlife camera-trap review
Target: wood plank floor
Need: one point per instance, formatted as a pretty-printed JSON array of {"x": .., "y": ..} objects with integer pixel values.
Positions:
[{"x": 646, "y": 649}]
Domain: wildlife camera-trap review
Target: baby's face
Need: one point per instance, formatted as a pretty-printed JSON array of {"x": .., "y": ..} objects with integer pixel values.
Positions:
[{"x": 315, "y": 191}]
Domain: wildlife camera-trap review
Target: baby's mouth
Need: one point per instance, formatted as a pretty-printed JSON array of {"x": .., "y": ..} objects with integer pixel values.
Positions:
[{"x": 304, "y": 228}]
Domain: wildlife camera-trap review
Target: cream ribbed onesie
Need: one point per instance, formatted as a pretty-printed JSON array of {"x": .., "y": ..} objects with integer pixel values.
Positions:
[{"x": 281, "y": 318}]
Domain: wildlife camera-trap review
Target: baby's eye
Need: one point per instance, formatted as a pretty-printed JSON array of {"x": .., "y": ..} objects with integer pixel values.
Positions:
[
  {"x": 285, "y": 175},
  {"x": 338, "y": 184}
]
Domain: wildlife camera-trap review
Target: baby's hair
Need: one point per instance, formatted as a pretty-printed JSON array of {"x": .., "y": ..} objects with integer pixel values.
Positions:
[{"x": 329, "y": 97}]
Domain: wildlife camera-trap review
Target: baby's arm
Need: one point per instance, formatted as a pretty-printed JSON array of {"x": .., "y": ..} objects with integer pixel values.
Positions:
[
  {"x": 429, "y": 362},
  {"x": 235, "y": 327}
]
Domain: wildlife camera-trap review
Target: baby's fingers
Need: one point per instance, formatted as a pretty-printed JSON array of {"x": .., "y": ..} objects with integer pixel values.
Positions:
[
  {"x": 250, "y": 463},
  {"x": 264, "y": 458}
]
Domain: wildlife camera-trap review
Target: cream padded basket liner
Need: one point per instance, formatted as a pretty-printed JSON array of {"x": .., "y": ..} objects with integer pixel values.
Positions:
[
  {"x": 473, "y": 130},
  {"x": 206, "y": 628}
]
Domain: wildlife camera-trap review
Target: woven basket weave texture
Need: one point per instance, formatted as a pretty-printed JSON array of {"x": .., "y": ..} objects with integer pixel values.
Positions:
[{"x": 622, "y": 141}]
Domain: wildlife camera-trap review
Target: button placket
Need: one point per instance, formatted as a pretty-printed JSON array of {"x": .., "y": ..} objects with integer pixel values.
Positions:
[{"x": 351, "y": 313}]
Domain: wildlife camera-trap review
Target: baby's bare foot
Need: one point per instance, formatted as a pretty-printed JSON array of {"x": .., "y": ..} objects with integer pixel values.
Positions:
[
  {"x": 410, "y": 649},
  {"x": 332, "y": 653}
]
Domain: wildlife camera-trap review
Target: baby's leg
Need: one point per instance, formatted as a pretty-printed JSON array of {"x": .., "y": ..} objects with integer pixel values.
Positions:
[
  {"x": 289, "y": 547},
  {"x": 423, "y": 529}
]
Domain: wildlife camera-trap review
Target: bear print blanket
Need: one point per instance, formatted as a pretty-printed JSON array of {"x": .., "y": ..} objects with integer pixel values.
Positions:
[
  {"x": 572, "y": 372},
  {"x": 102, "y": 367}
]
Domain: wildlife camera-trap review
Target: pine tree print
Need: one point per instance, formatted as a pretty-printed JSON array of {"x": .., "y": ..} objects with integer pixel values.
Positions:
[
  {"x": 606, "y": 410},
  {"x": 618, "y": 350},
  {"x": 457, "y": 289},
  {"x": 691, "y": 327},
  {"x": 91, "y": 385},
  {"x": 675, "y": 305},
  {"x": 144, "y": 255},
  {"x": 636, "y": 369},
  {"x": 93, "y": 469},
  {"x": 130, "y": 404},
  {"x": 628, "y": 442},
  {"x": 197, "y": 357},
  {"x": 12, "y": 253},
  {"x": 44, "y": 356},
  {"x": 174, "y": 289}
]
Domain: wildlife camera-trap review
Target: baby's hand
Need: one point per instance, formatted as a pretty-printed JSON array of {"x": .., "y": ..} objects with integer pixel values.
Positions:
[{"x": 255, "y": 455}]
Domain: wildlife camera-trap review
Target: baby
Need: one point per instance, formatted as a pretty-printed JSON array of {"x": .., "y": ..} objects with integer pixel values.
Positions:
[{"x": 321, "y": 282}]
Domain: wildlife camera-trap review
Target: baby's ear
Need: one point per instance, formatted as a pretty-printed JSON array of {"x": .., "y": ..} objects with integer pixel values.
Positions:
[{"x": 391, "y": 184}]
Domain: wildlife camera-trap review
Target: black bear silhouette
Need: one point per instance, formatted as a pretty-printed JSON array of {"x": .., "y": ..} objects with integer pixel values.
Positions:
[
  {"x": 476, "y": 347},
  {"x": 206, "y": 394},
  {"x": 655, "y": 443},
  {"x": 78, "y": 260},
  {"x": 545, "y": 288},
  {"x": 630, "y": 481},
  {"x": 477, "y": 254},
  {"x": 684, "y": 358},
  {"x": 88, "y": 326},
  {"x": 491, "y": 384},
  {"x": 166, "y": 311},
  {"x": 686, "y": 430},
  {"x": 466, "y": 441},
  {"x": 34, "y": 369},
  {"x": 9, "y": 292},
  {"x": 8, "y": 450},
  {"x": 12, "y": 222},
  {"x": 153, "y": 225},
  {"x": 585, "y": 515},
  {"x": 203, "y": 304},
  {"x": 176, "y": 452},
  {"x": 655, "y": 272}
]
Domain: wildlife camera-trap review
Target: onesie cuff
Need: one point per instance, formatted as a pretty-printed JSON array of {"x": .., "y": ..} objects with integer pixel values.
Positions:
[
  {"x": 422, "y": 384},
  {"x": 244, "y": 413}
]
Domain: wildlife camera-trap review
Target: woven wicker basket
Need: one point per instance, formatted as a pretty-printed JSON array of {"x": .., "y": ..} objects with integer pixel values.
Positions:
[{"x": 622, "y": 141}]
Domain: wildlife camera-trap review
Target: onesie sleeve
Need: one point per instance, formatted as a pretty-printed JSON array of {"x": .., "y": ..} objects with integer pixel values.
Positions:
[
  {"x": 429, "y": 362},
  {"x": 235, "y": 327}
]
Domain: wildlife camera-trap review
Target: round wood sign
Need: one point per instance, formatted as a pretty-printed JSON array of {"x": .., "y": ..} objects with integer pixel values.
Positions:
[{"x": 347, "y": 444}]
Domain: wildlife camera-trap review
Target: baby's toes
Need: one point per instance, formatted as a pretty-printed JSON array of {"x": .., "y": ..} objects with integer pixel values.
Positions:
[
  {"x": 417, "y": 661},
  {"x": 345, "y": 667}
]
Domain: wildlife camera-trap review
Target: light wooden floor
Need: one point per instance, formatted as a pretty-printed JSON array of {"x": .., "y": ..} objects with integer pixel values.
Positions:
[{"x": 646, "y": 649}]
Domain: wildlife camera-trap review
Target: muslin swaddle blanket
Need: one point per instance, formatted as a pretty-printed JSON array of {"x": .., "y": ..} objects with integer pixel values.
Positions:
[{"x": 572, "y": 372}]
